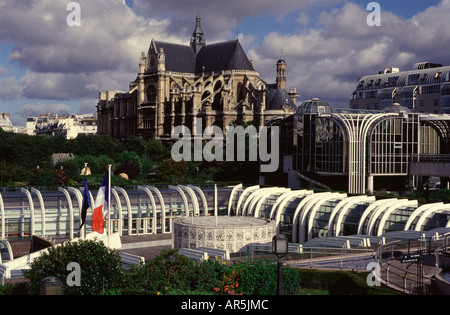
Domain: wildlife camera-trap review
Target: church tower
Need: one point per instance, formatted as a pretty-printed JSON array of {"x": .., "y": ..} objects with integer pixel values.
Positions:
[
  {"x": 281, "y": 74},
  {"x": 198, "y": 39}
]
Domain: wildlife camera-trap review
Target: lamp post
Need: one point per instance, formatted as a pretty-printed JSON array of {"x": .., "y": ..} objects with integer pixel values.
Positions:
[{"x": 280, "y": 249}]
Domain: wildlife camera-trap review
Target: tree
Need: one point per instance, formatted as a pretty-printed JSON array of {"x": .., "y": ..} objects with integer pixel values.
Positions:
[
  {"x": 171, "y": 171},
  {"x": 100, "y": 267}
]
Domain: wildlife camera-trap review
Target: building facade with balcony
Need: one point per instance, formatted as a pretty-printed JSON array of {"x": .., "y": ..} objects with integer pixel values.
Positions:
[{"x": 425, "y": 89}]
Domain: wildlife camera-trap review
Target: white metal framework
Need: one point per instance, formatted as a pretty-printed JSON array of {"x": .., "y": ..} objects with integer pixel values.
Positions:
[
  {"x": 364, "y": 148},
  {"x": 302, "y": 215}
]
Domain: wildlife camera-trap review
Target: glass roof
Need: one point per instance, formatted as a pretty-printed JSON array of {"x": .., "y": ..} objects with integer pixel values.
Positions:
[
  {"x": 396, "y": 108},
  {"x": 315, "y": 106}
]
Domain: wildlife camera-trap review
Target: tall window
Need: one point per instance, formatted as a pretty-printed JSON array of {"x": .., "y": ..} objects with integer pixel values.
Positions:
[{"x": 151, "y": 94}]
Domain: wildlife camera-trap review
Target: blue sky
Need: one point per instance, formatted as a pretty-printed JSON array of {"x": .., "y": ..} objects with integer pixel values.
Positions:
[{"x": 48, "y": 67}]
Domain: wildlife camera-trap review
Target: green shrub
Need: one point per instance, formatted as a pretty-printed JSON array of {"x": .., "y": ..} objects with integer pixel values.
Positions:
[
  {"x": 130, "y": 157},
  {"x": 260, "y": 278},
  {"x": 100, "y": 266},
  {"x": 208, "y": 275},
  {"x": 167, "y": 270},
  {"x": 97, "y": 164}
]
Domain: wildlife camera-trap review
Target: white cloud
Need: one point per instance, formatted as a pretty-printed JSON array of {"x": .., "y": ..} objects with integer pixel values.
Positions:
[
  {"x": 88, "y": 106},
  {"x": 64, "y": 62},
  {"x": 3, "y": 71},
  {"x": 19, "y": 117},
  {"x": 10, "y": 89},
  {"x": 328, "y": 60},
  {"x": 327, "y": 49}
]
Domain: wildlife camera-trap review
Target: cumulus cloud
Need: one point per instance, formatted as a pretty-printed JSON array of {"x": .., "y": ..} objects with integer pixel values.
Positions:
[
  {"x": 219, "y": 17},
  {"x": 19, "y": 117},
  {"x": 64, "y": 62},
  {"x": 328, "y": 60},
  {"x": 88, "y": 106},
  {"x": 327, "y": 48},
  {"x": 3, "y": 71},
  {"x": 10, "y": 89}
]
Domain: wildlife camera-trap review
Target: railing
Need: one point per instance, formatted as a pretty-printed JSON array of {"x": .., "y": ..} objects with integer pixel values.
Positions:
[
  {"x": 392, "y": 260},
  {"x": 430, "y": 158},
  {"x": 313, "y": 257}
]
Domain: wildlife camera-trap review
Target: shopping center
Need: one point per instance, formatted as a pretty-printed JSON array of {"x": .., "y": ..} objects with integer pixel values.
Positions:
[
  {"x": 302, "y": 215},
  {"x": 357, "y": 150}
]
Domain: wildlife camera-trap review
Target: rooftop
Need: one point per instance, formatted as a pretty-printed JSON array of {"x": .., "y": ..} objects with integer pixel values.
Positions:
[{"x": 315, "y": 106}]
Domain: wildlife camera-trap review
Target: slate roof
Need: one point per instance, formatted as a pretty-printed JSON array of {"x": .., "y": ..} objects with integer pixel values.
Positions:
[
  {"x": 179, "y": 58},
  {"x": 223, "y": 56},
  {"x": 213, "y": 57},
  {"x": 277, "y": 98}
]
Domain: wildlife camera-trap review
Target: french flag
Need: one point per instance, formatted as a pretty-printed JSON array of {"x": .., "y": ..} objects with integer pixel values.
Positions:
[{"x": 101, "y": 206}]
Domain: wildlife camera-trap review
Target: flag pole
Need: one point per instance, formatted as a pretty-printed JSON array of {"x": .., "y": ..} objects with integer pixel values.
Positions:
[
  {"x": 109, "y": 201},
  {"x": 83, "y": 228}
]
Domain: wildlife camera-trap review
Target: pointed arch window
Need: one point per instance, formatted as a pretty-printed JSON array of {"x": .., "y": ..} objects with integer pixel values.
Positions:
[{"x": 151, "y": 94}]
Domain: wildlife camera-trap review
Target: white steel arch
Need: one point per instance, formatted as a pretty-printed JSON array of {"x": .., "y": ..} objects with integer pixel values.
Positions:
[
  {"x": 30, "y": 201},
  {"x": 202, "y": 196},
  {"x": 316, "y": 207},
  {"x": 193, "y": 197},
  {"x": 357, "y": 127},
  {"x": 127, "y": 201},
  {"x": 416, "y": 213},
  {"x": 69, "y": 206},
  {"x": 41, "y": 204},
  {"x": 2, "y": 214},
  {"x": 79, "y": 198},
  {"x": 276, "y": 213},
  {"x": 280, "y": 201},
  {"x": 163, "y": 208},
  {"x": 243, "y": 195},
  {"x": 183, "y": 198},
  {"x": 230, "y": 199},
  {"x": 342, "y": 209},
  {"x": 119, "y": 208},
  {"x": 255, "y": 206},
  {"x": 379, "y": 211},
  {"x": 152, "y": 201},
  {"x": 369, "y": 213},
  {"x": 298, "y": 215},
  {"x": 388, "y": 212},
  {"x": 432, "y": 210},
  {"x": 251, "y": 197}
]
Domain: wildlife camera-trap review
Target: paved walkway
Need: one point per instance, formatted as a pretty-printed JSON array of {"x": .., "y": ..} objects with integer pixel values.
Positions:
[
  {"x": 147, "y": 246},
  {"x": 428, "y": 266}
]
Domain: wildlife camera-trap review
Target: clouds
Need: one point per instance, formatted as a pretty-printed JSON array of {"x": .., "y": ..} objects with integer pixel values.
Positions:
[
  {"x": 59, "y": 62},
  {"x": 219, "y": 17},
  {"x": 41, "y": 108},
  {"x": 326, "y": 43},
  {"x": 110, "y": 39},
  {"x": 327, "y": 61}
]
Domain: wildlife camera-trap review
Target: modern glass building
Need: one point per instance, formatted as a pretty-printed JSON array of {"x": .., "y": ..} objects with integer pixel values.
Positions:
[
  {"x": 302, "y": 215},
  {"x": 355, "y": 150}
]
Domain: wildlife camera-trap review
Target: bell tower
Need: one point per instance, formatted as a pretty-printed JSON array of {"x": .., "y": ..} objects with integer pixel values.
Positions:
[{"x": 281, "y": 74}]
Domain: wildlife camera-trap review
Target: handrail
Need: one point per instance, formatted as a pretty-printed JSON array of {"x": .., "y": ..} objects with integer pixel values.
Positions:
[
  {"x": 409, "y": 278},
  {"x": 430, "y": 158}
]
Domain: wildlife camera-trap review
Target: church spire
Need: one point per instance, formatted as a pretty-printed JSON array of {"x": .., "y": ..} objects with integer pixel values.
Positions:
[{"x": 198, "y": 39}]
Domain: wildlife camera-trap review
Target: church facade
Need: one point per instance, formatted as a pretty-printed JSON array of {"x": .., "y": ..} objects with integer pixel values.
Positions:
[{"x": 180, "y": 84}]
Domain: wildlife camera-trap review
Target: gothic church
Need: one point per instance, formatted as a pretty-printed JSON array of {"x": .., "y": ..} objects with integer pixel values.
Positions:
[{"x": 179, "y": 84}]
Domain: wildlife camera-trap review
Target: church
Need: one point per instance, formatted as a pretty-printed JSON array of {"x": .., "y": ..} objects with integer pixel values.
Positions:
[{"x": 179, "y": 84}]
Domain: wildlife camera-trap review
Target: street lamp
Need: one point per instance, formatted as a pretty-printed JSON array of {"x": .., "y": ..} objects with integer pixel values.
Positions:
[
  {"x": 51, "y": 286},
  {"x": 280, "y": 249}
]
